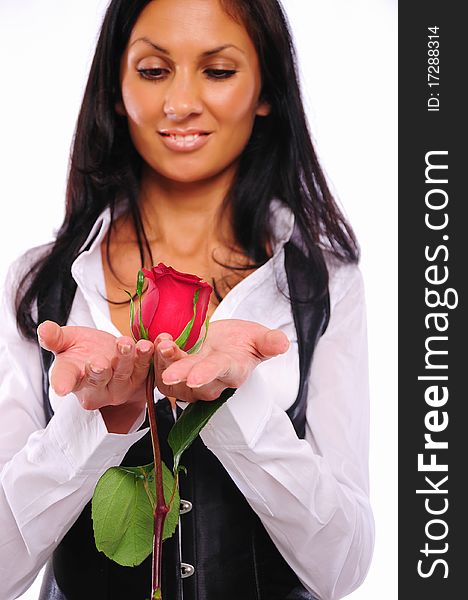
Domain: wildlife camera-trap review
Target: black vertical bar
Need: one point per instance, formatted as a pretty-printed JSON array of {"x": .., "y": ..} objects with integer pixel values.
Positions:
[{"x": 433, "y": 356}]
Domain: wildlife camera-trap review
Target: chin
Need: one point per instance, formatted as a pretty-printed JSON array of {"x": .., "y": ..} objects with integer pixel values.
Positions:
[{"x": 186, "y": 175}]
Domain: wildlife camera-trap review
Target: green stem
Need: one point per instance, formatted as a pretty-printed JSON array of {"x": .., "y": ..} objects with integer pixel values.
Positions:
[{"x": 160, "y": 508}]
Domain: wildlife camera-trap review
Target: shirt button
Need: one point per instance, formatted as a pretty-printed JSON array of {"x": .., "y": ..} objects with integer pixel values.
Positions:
[
  {"x": 186, "y": 570},
  {"x": 185, "y": 506}
]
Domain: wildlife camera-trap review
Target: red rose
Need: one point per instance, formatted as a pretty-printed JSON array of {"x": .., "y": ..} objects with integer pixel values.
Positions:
[{"x": 168, "y": 304}]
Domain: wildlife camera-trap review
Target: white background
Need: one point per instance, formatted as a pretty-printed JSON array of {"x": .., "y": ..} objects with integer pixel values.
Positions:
[{"x": 347, "y": 56}]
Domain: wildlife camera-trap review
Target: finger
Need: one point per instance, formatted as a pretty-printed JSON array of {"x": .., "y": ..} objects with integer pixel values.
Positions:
[
  {"x": 175, "y": 372},
  {"x": 207, "y": 370},
  {"x": 98, "y": 373},
  {"x": 167, "y": 352},
  {"x": 59, "y": 339},
  {"x": 50, "y": 336},
  {"x": 271, "y": 343},
  {"x": 143, "y": 355},
  {"x": 65, "y": 377},
  {"x": 123, "y": 360}
]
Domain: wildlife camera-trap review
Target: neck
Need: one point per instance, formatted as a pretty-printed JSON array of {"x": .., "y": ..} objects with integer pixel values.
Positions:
[{"x": 186, "y": 216}]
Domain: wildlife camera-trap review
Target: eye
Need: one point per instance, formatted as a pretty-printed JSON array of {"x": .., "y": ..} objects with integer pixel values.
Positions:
[
  {"x": 155, "y": 73},
  {"x": 220, "y": 73}
]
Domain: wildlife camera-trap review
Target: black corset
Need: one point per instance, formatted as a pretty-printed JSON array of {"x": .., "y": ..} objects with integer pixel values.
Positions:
[{"x": 225, "y": 552}]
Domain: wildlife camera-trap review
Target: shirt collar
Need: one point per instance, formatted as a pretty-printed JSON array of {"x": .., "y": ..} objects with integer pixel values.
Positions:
[
  {"x": 282, "y": 224},
  {"x": 88, "y": 272}
]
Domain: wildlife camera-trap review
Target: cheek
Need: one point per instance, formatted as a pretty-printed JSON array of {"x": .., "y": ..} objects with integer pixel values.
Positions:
[
  {"x": 140, "y": 104},
  {"x": 236, "y": 105}
]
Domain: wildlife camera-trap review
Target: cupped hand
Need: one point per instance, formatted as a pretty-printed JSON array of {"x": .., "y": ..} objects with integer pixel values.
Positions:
[
  {"x": 103, "y": 371},
  {"x": 232, "y": 349}
]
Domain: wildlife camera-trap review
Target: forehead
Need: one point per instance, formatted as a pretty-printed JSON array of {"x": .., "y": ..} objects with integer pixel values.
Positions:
[{"x": 185, "y": 23}]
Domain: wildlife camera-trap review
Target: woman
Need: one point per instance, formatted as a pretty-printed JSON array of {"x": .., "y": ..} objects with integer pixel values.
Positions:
[{"x": 192, "y": 149}]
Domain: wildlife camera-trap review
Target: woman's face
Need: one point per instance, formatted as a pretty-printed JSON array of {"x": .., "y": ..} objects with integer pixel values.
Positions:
[{"x": 190, "y": 81}]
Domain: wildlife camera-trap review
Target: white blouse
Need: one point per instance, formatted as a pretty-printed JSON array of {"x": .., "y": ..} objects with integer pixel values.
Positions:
[{"x": 312, "y": 495}]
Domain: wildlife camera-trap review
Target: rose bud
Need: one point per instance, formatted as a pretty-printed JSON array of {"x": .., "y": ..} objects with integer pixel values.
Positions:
[{"x": 169, "y": 305}]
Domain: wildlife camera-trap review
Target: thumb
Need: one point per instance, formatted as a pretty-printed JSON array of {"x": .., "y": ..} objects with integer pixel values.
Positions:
[
  {"x": 272, "y": 343},
  {"x": 50, "y": 336}
]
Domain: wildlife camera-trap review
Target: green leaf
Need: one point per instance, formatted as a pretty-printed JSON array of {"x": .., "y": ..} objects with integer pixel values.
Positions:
[
  {"x": 181, "y": 468},
  {"x": 122, "y": 511},
  {"x": 183, "y": 337},
  {"x": 143, "y": 330},
  {"x": 200, "y": 343},
  {"x": 191, "y": 422},
  {"x": 172, "y": 517},
  {"x": 132, "y": 314},
  {"x": 140, "y": 282}
]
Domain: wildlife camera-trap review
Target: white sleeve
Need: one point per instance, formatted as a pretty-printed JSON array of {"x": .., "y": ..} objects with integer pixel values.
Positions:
[
  {"x": 47, "y": 474},
  {"x": 311, "y": 494}
]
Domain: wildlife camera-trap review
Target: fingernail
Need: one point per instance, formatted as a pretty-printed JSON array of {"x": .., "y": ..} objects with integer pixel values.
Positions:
[
  {"x": 124, "y": 348},
  {"x": 96, "y": 370},
  {"x": 194, "y": 385},
  {"x": 164, "y": 336},
  {"x": 145, "y": 348},
  {"x": 171, "y": 381},
  {"x": 167, "y": 351},
  {"x": 40, "y": 340}
]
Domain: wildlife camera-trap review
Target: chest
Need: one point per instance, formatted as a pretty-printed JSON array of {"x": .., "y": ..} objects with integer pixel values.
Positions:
[{"x": 120, "y": 273}]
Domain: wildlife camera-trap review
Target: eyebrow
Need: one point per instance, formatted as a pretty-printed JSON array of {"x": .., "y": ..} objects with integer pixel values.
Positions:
[{"x": 203, "y": 54}]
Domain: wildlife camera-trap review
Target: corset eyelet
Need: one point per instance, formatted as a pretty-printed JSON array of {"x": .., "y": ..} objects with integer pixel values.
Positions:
[
  {"x": 185, "y": 506},
  {"x": 186, "y": 570}
]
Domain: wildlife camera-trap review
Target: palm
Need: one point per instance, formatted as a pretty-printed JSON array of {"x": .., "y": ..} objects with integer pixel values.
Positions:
[
  {"x": 233, "y": 348},
  {"x": 234, "y": 340},
  {"x": 74, "y": 347},
  {"x": 84, "y": 342},
  {"x": 101, "y": 369}
]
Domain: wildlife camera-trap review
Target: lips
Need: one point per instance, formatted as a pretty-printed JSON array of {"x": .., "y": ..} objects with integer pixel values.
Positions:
[{"x": 184, "y": 141}]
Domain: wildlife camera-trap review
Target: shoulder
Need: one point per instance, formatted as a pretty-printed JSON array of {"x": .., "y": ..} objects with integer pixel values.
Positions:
[
  {"x": 26, "y": 261},
  {"x": 22, "y": 267},
  {"x": 345, "y": 280}
]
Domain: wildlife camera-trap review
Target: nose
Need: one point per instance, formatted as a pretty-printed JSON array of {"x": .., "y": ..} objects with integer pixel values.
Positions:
[{"x": 182, "y": 98}]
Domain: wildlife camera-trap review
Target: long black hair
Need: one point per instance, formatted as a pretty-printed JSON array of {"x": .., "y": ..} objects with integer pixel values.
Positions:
[{"x": 278, "y": 161}]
